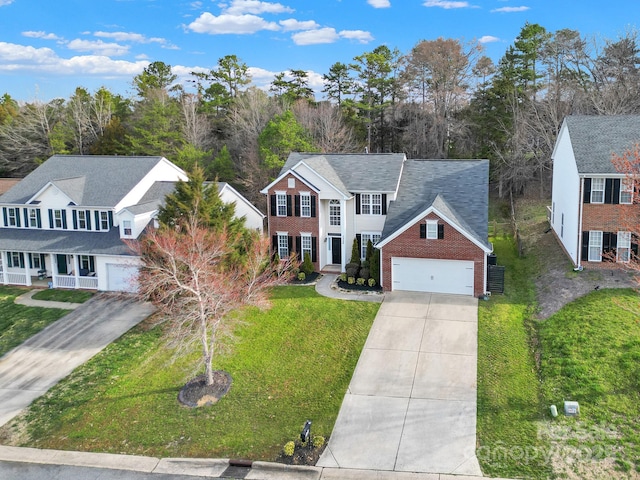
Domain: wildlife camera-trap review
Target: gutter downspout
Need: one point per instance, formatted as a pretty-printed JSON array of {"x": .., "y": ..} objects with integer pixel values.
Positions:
[{"x": 581, "y": 203}]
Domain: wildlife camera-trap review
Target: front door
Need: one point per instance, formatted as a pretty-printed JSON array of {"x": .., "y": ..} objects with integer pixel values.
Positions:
[
  {"x": 62, "y": 264},
  {"x": 336, "y": 250}
]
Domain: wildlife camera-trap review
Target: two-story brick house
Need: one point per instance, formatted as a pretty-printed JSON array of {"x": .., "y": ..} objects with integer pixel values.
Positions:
[
  {"x": 428, "y": 218},
  {"x": 592, "y": 202}
]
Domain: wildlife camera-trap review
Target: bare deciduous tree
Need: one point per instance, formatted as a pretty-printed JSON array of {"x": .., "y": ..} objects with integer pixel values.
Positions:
[{"x": 327, "y": 127}]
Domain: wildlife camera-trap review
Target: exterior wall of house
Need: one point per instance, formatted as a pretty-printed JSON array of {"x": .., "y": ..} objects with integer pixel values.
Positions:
[
  {"x": 293, "y": 225},
  {"x": 454, "y": 246},
  {"x": 566, "y": 196},
  {"x": 253, "y": 219},
  {"x": 101, "y": 267}
]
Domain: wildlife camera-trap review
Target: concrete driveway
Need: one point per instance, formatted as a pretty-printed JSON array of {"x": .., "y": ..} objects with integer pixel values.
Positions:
[
  {"x": 411, "y": 404},
  {"x": 29, "y": 370}
]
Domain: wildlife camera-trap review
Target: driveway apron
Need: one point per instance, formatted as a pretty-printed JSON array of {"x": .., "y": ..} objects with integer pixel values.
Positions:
[
  {"x": 411, "y": 404},
  {"x": 29, "y": 370}
]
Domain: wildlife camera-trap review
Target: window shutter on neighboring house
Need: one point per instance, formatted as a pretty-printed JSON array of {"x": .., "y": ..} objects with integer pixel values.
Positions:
[
  {"x": 608, "y": 190},
  {"x": 359, "y": 239},
  {"x": 290, "y": 239},
  {"x": 110, "y": 214},
  {"x": 357, "y": 204},
  {"x": 51, "y": 218},
  {"x": 272, "y": 211},
  {"x": 25, "y": 211},
  {"x": 88, "y": 217},
  {"x": 297, "y": 205},
  {"x": 39, "y": 219},
  {"x": 64, "y": 219},
  {"x": 97, "y": 217},
  {"x": 17, "y": 210},
  {"x": 440, "y": 231},
  {"x": 289, "y": 206},
  {"x": 634, "y": 244},
  {"x": 274, "y": 243},
  {"x": 586, "y": 196},
  {"x": 4, "y": 215},
  {"x": 384, "y": 204},
  {"x": 299, "y": 248},
  {"x": 314, "y": 249},
  {"x": 423, "y": 230},
  {"x": 313, "y": 206},
  {"x": 616, "y": 191},
  {"x": 585, "y": 246},
  {"x": 74, "y": 216}
]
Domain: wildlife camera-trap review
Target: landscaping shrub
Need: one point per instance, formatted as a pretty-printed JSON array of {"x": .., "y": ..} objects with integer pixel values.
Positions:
[
  {"x": 352, "y": 269},
  {"x": 318, "y": 441},
  {"x": 355, "y": 252},
  {"x": 372, "y": 282},
  {"x": 343, "y": 277},
  {"x": 369, "y": 252},
  {"x": 374, "y": 265},
  {"x": 289, "y": 448},
  {"x": 351, "y": 280},
  {"x": 360, "y": 281},
  {"x": 365, "y": 273},
  {"x": 307, "y": 265},
  {"x": 302, "y": 276}
]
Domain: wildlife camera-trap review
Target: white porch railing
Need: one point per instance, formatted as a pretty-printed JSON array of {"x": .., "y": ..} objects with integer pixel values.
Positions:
[
  {"x": 17, "y": 278},
  {"x": 69, "y": 281},
  {"x": 90, "y": 283}
]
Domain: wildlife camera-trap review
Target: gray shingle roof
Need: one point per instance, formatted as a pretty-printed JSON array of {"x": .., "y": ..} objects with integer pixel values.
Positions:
[
  {"x": 375, "y": 172},
  {"x": 63, "y": 241},
  {"x": 596, "y": 137},
  {"x": 91, "y": 180},
  {"x": 457, "y": 188}
]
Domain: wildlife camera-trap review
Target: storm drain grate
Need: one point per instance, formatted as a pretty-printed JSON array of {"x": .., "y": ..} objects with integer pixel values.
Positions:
[{"x": 237, "y": 469}]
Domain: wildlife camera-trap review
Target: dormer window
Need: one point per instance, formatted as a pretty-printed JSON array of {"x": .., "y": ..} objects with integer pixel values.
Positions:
[
  {"x": 126, "y": 227},
  {"x": 12, "y": 217},
  {"x": 34, "y": 217},
  {"x": 57, "y": 219}
]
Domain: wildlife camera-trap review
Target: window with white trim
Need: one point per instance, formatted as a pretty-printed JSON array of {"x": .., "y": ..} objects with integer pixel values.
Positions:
[
  {"x": 432, "y": 229},
  {"x": 104, "y": 221},
  {"x": 57, "y": 219},
  {"x": 126, "y": 226},
  {"x": 34, "y": 258},
  {"x": 334, "y": 213},
  {"x": 12, "y": 217},
  {"x": 283, "y": 246},
  {"x": 13, "y": 259},
  {"x": 364, "y": 240},
  {"x": 595, "y": 246},
  {"x": 597, "y": 190},
  {"x": 305, "y": 204},
  {"x": 82, "y": 219},
  {"x": 85, "y": 262},
  {"x": 626, "y": 191},
  {"x": 305, "y": 245},
  {"x": 624, "y": 246},
  {"x": 281, "y": 204},
  {"x": 371, "y": 204},
  {"x": 33, "y": 218}
]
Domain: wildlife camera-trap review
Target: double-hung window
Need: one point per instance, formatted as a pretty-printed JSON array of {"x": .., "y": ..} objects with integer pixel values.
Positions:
[
  {"x": 597, "y": 190},
  {"x": 13, "y": 259},
  {"x": 334, "y": 213},
  {"x": 12, "y": 217},
  {"x": 305, "y": 204},
  {"x": 82, "y": 219},
  {"x": 33, "y": 218},
  {"x": 364, "y": 241},
  {"x": 126, "y": 226},
  {"x": 595, "y": 246},
  {"x": 432, "y": 229},
  {"x": 283, "y": 246},
  {"x": 626, "y": 191},
  {"x": 305, "y": 245},
  {"x": 624, "y": 246},
  {"x": 104, "y": 221},
  {"x": 57, "y": 219},
  {"x": 371, "y": 203},
  {"x": 281, "y": 204}
]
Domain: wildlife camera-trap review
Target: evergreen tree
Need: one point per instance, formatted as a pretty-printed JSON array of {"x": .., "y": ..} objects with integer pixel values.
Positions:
[
  {"x": 281, "y": 136},
  {"x": 355, "y": 252}
]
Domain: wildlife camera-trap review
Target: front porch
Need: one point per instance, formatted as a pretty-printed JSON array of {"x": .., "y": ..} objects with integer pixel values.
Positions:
[{"x": 48, "y": 270}]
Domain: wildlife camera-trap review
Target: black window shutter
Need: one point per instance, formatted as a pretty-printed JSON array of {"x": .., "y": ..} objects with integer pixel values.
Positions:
[
  {"x": 92, "y": 264},
  {"x": 21, "y": 260},
  {"x": 25, "y": 211},
  {"x": 4, "y": 214},
  {"x": 74, "y": 215},
  {"x": 9, "y": 263},
  {"x": 289, "y": 206},
  {"x": 314, "y": 249},
  {"x": 608, "y": 190},
  {"x": 30, "y": 260},
  {"x": 384, "y": 204},
  {"x": 290, "y": 241},
  {"x": 586, "y": 197},
  {"x": 272, "y": 210},
  {"x": 359, "y": 239},
  {"x": 274, "y": 243},
  {"x": 42, "y": 264},
  {"x": 97, "y": 217},
  {"x": 606, "y": 242},
  {"x": 585, "y": 246},
  {"x": 51, "y": 219},
  {"x": 87, "y": 216},
  {"x": 423, "y": 230},
  {"x": 313, "y": 206},
  {"x": 38, "y": 218},
  {"x": 357, "y": 204},
  {"x": 634, "y": 245},
  {"x": 64, "y": 219},
  {"x": 17, "y": 210},
  {"x": 297, "y": 205},
  {"x": 440, "y": 231},
  {"x": 110, "y": 214},
  {"x": 616, "y": 190},
  {"x": 299, "y": 248}
]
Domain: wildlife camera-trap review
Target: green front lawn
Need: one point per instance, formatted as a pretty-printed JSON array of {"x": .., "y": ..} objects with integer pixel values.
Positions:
[
  {"x": 63, "y": 295},
  {"x": 289, "y": 364},
  {"x": 19, "y": 322},
  {"x": 591, "y": 354}
]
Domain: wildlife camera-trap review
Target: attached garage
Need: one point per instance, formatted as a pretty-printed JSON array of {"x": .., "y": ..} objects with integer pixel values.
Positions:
[
  {"x": 431, "y": 275},
  {"x": 121, "y": 278}
]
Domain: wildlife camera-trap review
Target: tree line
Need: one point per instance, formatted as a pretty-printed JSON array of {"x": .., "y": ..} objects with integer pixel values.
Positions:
[{"x": 442, "y": 99}]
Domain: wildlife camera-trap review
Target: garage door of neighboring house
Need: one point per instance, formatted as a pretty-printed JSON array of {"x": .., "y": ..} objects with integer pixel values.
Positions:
[
  {"x": 429, "y": 275},
  {"x": 120, "y": 277}
]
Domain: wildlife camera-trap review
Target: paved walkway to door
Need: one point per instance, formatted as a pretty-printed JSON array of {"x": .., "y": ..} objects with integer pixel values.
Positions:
[
  {"x": 411, "y": 404},
  {"x": 29, "y": 370}
]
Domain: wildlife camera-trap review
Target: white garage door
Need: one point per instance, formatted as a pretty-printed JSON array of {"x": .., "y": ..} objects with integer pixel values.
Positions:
[
  {"x": 429, "y": 275},
  {"x": 121, "y": 278}
]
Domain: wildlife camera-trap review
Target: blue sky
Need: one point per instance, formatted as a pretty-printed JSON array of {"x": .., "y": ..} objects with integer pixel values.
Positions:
[{"x": 47, "y": 48}]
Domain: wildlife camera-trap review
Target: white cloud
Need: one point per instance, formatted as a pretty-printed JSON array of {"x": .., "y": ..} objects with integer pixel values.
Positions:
[
  {"x": 226, "y": 24},
  {"x": 239, "y": 7},
  {"x": 446, "y": 4},
  {"x": 360, "y": 36},
  {"x": 41, "y": 34},
  {"x": 5, "y": 2},
  {"x": 510, "y": 9},
  {"x": 97, "y": 47},
  {"x": 315, "y": 37},
  {"x": 379, "y": 3},
  {"x": 488, "y": 39},
  {"x": 292, "y": 24},
  {"x": 129, "y": 37}
]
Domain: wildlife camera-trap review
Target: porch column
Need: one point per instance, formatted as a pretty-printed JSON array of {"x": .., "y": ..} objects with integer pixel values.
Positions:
[
  {"x": 5, "y": 275},
  {"x": 343, "y": 234},
  {"x": 54, "y": 269},
  {"x": 76, "y": 272},
  {"x": 27, "y": 273}
]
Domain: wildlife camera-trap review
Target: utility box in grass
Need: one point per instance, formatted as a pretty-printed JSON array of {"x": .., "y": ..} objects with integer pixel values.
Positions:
[{"x": 571, "y": 409}]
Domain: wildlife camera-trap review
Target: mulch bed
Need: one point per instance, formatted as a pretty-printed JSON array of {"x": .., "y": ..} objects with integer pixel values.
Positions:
[
  {"x": 302, "y": 455},
  {"x": 196, "y": 393},
  {"x": 311, "y": 278},
  {"x": 358, "y": 288}
]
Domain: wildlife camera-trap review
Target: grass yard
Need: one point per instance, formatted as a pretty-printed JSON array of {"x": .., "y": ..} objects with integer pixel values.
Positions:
[
  {"x": 591, "y": 353},
  {"x": 63, "y": 295},
  {"x": 289, "y": 364},
  {"x": 19, "y": 322},
  {"x": 508, "y": 387}
]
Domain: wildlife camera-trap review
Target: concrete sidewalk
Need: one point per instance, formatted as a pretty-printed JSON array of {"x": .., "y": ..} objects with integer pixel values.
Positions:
[
  {"x": 327, "y": 287},
  {"x": 411, "y": 404},
  {"x": 27, "y": 300},
  {"x": 30, "y": 369}
]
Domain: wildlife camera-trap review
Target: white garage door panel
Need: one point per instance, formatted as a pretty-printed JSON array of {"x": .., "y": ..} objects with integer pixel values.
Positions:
[
  {"x": 429, "y": 275},
  {"x": 121, "y": 278}
]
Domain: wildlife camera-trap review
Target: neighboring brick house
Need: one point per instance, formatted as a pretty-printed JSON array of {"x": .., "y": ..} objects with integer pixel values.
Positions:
[
  {"x": 428, "y": 218},
  {"x": 591, "y": 201}
]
